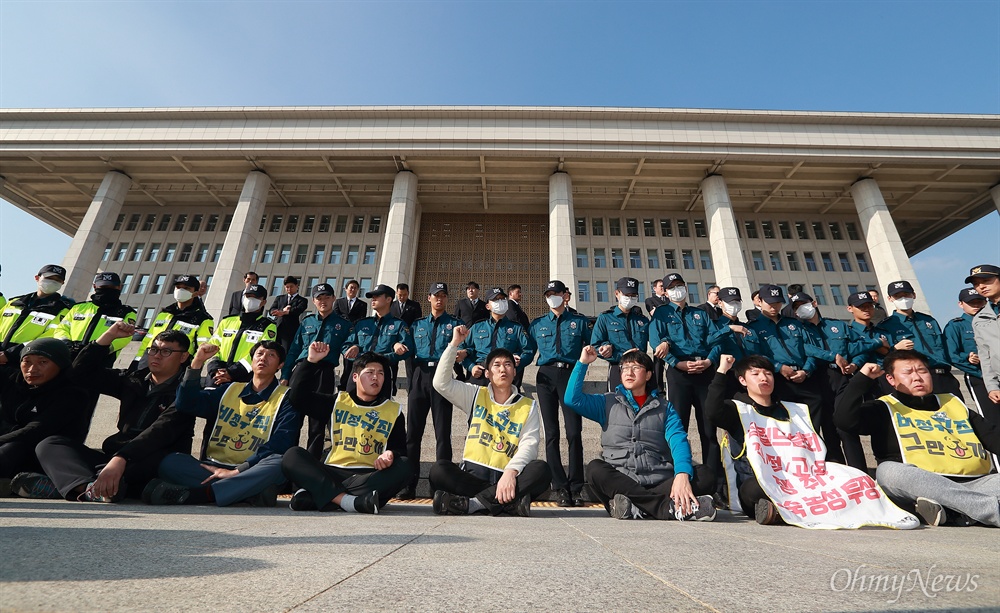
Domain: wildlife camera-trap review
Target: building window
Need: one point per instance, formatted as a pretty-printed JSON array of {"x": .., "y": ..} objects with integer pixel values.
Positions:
[
  {"x": 699, "y": 228},
  {"x": 801, "y": 230},
  {"x": 301, "y": 253},
  {"x": 652, "y": 258},
  {"x": 583, "y": 291},
  {"x": 213, "y": 222},
  {"x": 196, "y": 222},
  {"x": 263, "y": 224},
  {"x": 359, "y": 224},
  {"x": 835, "y": 231},
  {"x": 775, "y": 258},
  {"x": 687, "y": 255},
  {"x": 352, "y": 254},
  {"x": 669, "y": 261},
  {"x": 818, "y": 230},
  {"x": 614, "y": 226},
  {"x": 758, "y": 260},
  {"x": 278, "y": 286},
  {"x": 107, "y": 252},
  {"x": 253, "y": 258},
  {"x": 827, "y": 262},
  {"x": 580, "y": 226},
  {"x": 208, "y": 282},
  {"x": 785, "y": 229},
  {"x": 597, "y": 226},
  {"x": 819, "y": 295},
  {"x": 285, "y": 255},
  {"x": 341, "y": 226},
  {"x": 365, "y": 284},
  {"x": 810, "y": 261},
  {"x": 845, "y": 262},
  {"x": 202, "y": 254},
  {"x": 601, "y": 293},
  {"x": 158, "y": 284},
  {"x": 181, "y": 222},
  {"x": 751, "y": 228},
  {"x": 122, "y": 252},
  {"x": 313, "y": 282},
  {"x": 369, "y": 255},
  {"x": 324, "y": 225},
  {"x": 164, "y": 222},
  {"x": 767, "y": 228},
  {"x": 147, "y": 226},
  {"x": 682, "y": 228},
  {"x": 127, "y": 283},
  {"x": 862, "y": 262},
  {"x": 293, "y": 224},
  {"x": 642, "y": 291},
  {"x": 332, "y": 281},
  {"x": 375, "y": 224},
  {"x": 140, "y": 287},
  {"x": 186, "y": 250},
  {"x": 137, "y": 252},
  {"x": 147, "y": 316},
  {"x": 275, "y": 223},
  {"x": 706, "y": 259},
  {"x": 853, "y": 289},
  {"x": 838, "y": 297},
  {"x": 581, "y": 258},
  {"x": 268, "y": 256},
  {"x": 227, "y": 221},
  {"x": 119, "y": 221},
  {"x": 852, "y": 231},
  {"x": 648, "y": 229},
  {"x": 634, "y": 258},
  {"x": 617, "y": 259},
  {"x": 632, "y": 227},
  {"x": 335, "y": 255},
  {"x": 262, "y": 281},
  {"x": 319, "y": 252},
  {"x": 600, "y": 261},
  {"x": 217, "y": 252},
  {"x": 666, "y": 228},
  {"x": 168, "y": 255},
  {"x": 793, "y": 261},
  {"x": 308, "y": 223}
]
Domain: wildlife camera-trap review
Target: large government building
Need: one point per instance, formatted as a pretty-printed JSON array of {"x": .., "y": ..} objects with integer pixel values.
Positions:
[{"x": 835, "y": 201}]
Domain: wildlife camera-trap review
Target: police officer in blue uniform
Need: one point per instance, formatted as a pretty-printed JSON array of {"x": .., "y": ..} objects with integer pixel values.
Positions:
[
  {"x": 496, "y": 331},
  {"x": 381, "y": 333},
  {"x": 560, "y": 337},
  {"x": 963, "y": 354},
  {"x": 621, "y": 328}
]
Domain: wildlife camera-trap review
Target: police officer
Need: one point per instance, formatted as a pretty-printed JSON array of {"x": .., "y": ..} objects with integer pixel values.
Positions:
[
  {"x": 921, "y": 333},
  {"x": 963, "y": 354},
  {"x": 33, "y": 315},
  {"x": 237, "y": 335},
  {"x": 658, "y": 299},
  {"x": 87, "y": 321},
  {"x": 431, "y": 335},
  {"x": 381, "y": 333},
  {"x": 187, "y": 314},
  {"x": 497, "y": 331},
  {"x": 560, "y": 337},
  {"x": 621, "y": 328},
  {"x": 323, "y": 326},
  {"x": 985, "y": 278}
]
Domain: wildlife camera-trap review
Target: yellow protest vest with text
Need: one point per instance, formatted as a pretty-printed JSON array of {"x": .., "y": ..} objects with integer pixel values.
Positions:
[
  {"x": 241, "y": 428},
  {"x": 359, "y": 434},
  {"x": 942, "y": 442},
  {"x": 495, "y": 430}
]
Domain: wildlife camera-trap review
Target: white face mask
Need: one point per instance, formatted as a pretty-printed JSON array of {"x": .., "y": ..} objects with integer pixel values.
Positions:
[
  {"x": 732, "y": 308},
  {"x": 805, "y": 311},
  {"x": 677, "y": 294},
  {"x": 903, "y": 304},
  {"x": 48, "y": 286},
  {"x": 499, "y": 307},
  {"x": 627, "y": 302},
  {"x": 554, "y": 301},
  {"x": 182, "y": 295},
  {"x": 251, "y": 304}
]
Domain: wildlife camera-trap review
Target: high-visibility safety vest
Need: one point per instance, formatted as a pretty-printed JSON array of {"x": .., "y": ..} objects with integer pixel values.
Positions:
[
  {"x": 359, "y": 434},
  {"x": 196, "y": 324},
  {"x": 941, "y": 442},
  {"x": 28, "y": 317},
  {"x": 84, "y": 323},
  {"x": 495, "y": 430},
  {"x": 235, "y": 346},
  {"x": 241, "y": 428}
]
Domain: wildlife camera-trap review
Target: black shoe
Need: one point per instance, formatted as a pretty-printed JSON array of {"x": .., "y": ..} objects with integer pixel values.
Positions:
[
  {"x": 268, "y": 498},
  {"x": 620, "y": 507},
  {"x": 160, "y": 492},
  {"x": 34, "y": 485},
  {"x": 367, "y": 503},
  {"x": 407, "y": 493},
  {"x": 565, "y": 499},
  {"x": 520, "y": 507},
  {"x": 766, "y": 513},
  {"x": 302, "y": 500},
  {"x": 445, "y": 503},
  {"x": 578, "y": 500},
  {"x": 960, "y": 520}
]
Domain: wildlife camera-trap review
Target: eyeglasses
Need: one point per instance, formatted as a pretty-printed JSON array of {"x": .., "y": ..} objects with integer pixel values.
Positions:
[
  {"x": 632, "y": 369},
  {"x": 163, "y": 351}
]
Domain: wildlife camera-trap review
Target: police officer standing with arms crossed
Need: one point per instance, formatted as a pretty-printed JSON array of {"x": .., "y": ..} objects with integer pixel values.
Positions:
[
  {"x": 621, "y": 328},
  {"x": 496, "y": 331}
]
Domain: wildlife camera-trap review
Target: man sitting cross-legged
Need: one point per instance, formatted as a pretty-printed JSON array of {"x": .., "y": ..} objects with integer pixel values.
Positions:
[
  {"x": 645, "y": 467},
  {"x": 253, "y": 424},
  {"x": 367, "y": 464},
  {"x": 500, "y": 472}
]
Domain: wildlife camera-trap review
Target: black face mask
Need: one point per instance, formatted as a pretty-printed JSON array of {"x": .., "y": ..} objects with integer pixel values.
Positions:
[{"x": 106, "y": 295}]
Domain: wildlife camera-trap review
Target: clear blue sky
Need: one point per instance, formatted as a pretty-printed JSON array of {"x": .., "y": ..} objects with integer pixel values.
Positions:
[{"x": 940, "y": 57}]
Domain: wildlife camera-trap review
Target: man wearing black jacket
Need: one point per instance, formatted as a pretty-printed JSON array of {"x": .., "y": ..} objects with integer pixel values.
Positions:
[
  {"x": 514, "y": 310},
  {"x": 236, "y": 298},
  {"x": 149, "y": 427},
  {"x": 286, "y": 310},
  {"x": 409, "y": 311},
  {"x": 471, "y": 309},
  {"x": 350, "y": 307}
]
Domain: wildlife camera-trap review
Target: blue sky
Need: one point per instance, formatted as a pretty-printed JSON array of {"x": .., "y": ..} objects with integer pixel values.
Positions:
[{"x": 940, "y": 57}]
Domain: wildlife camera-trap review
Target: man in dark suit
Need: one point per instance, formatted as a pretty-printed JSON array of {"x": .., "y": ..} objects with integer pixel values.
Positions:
[
  {"x": 514, "y": 310},
  {"x": 471, "y": 309},
  {"x": 713, "y": 306},
  {"x": 236, "y": 298},
  {"x": 409, "y": 311},
  {"x": 286, "y": 310},
  {"x": 350, "y": 307}
]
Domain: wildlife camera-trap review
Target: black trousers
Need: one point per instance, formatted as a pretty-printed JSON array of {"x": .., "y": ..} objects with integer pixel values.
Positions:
[
  {"x": 423, "y": 399},
  {"x": 750, "y": 492},
  {"x": 987, "y": 408},
  {"x": 550, "y": 388},
  {"x": 326, "y": 383},
  {"x": 17, "y": 457},
  {"x": 854, "y": 453},
  {"x": 327, "y": 482},
  {"x": 447, "y": 476},
  {"x": 606, "y": 481},
  {"x": 829, "y": 380},
  {"x": 71, "y": 464},
  {"x": 659, "y": 374},
  {"x": 683, "y": 391}
]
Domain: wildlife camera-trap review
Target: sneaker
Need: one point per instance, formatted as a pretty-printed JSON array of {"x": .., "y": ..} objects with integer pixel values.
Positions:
[
  {"x": 702, "y": 510},
  {"x": 520, "y": 507},
  {"x": 445, "y": 503},
  {"x": 34, "y": 485},
  {"x": 407, "y": 493},
  {"x": 621, "y": 507},
  {"x": 367, "y": 503},
  {"x": 931, "y": 511},
  {"x": 565, "y": 499},
  {"x": 766, "y": 513},
  {"x": 268, "y": 498},
  {"x": 89, "y": 496},
  {"x": 302, "y": 500},
  {"x": 160, "y": 492}
]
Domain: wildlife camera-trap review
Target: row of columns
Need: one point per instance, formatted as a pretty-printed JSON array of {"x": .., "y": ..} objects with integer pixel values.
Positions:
[{"x": 399, "y": 244}]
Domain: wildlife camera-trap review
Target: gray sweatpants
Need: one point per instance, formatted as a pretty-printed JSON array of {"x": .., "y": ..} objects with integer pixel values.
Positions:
[{"x": 978, "y": 498}]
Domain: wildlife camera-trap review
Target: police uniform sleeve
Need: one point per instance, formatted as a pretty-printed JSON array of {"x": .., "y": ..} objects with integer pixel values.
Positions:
[
  {"x": 599, "y": 335},
  {"x": 527, "y": 347},
  {"x": 851, "y": 413},
  {"x": 953, "y": 346}
]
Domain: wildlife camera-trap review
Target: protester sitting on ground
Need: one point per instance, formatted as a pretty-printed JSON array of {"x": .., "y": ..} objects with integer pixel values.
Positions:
[
  {"x": 791, "y": 480},
  {"x": 254, "y": 424},
  {"x": 367, "y": 463},
  {"x": 932, "y": 451},
  {"x": 645, "y": 469},
  {"x": 500, "y": 470}
]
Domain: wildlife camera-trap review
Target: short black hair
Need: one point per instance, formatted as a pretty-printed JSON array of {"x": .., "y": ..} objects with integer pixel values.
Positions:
[
  {"x": 174, "y": 336},
  {"x": 901, "y": 355},
  {"x": 354, "y": 281},
  {"x": 755, "y": 294},
  {"x": 637, "y": 357},
  {"x": 403, "y": 286},
  {"x": 251, "y": 273},
  {"x": 370, "y": 357},
  {"x": 657, "y": 281},
  {"x": 499, "y": 352},
  {"x": 794, "y": 288},
  {"x": 290, "y": 279},
  {"x": 512, "y": 287},
  {"x": 274, "y": 346},
  {"x": 471, "y": 284},
  {"x": 752, "y": 361}
]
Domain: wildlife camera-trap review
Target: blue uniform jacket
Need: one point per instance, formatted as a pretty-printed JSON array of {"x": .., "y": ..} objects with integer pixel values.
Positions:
[
  {"x": 689, "y": 331},
  {"x": 784, "y": 342},
  {"x": 333, "y": 331},
  {"x": 959, "y": 342},
  {"x": 610, "y": 328},
  {"x": 509, "y": 334},
  {"x": 428, "y": 349},
  {"x": 574, "y": 335},
  {"x": 380, "y": 337},
  {"x": 923, "y": 330}
]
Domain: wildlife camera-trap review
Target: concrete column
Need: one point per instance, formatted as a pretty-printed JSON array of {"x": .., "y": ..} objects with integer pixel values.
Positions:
[
  {"x": 995, "y": 192},
  {"x": 83, "y": 257},
  {"x": 399, "y": 243},
  {"x": 562, "y": 254},
  {"x": 884, "y": 245},
  {"x": 724, "y": 238},
  {"x": 234, "y": 261}
]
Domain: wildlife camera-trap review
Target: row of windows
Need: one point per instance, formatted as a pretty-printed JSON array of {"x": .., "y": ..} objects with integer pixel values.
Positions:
[
  {"x": 193, "y": 223},
  {"x": 180, "y": 222},
  {"x": 604, "y": 292},
  {"x": 318, "y": 255},
  {"x": 684, "y": 227},
  {"x": 774, "y": 261},
  {"x": 635, "y": 258},
  {"x": 206, "y": 252},
  {"x": 291, "y": 223}
]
